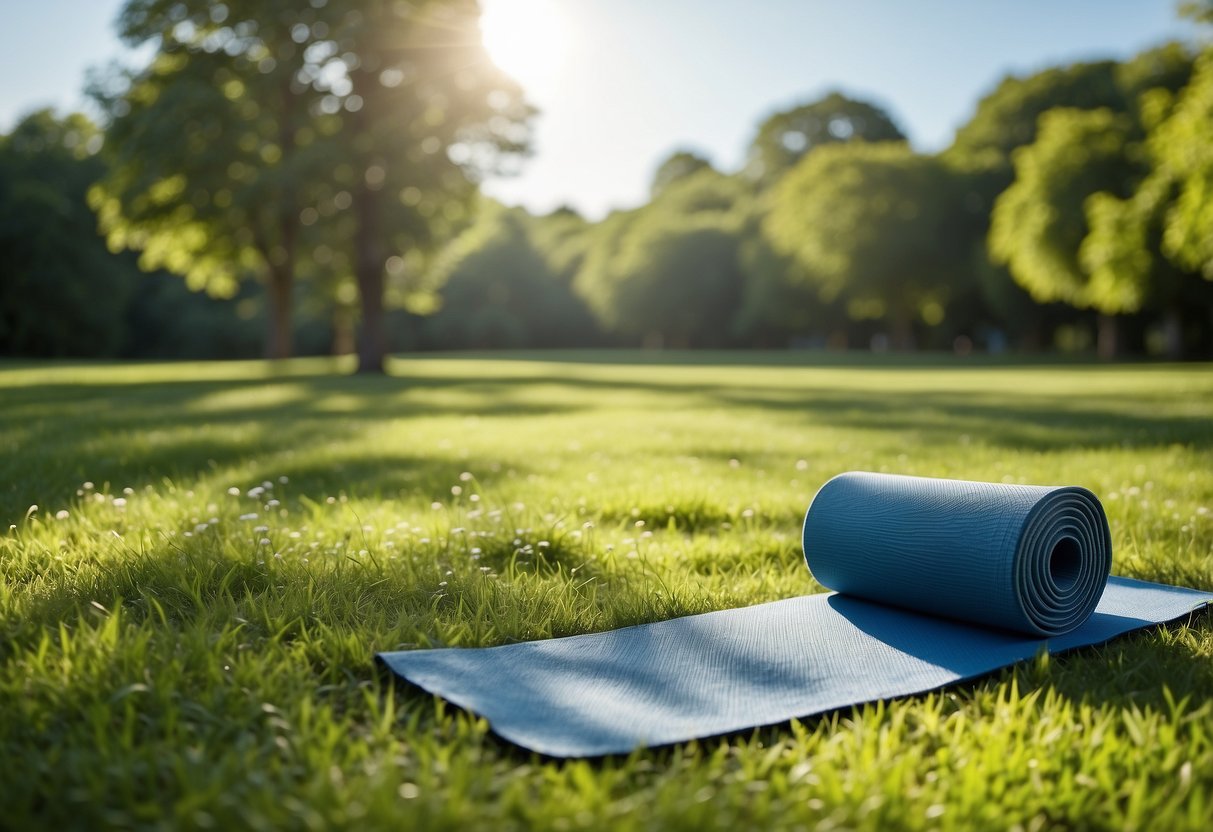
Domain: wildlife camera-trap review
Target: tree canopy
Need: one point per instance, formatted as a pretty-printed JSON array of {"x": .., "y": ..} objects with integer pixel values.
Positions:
[
  {"x": 258, "y": 125},
  {"x": 786, "y": 136},
  {"x": 873, "y": 224}
]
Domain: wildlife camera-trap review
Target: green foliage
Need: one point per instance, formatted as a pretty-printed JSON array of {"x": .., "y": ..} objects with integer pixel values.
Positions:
[
  {"x": 670, "y": 273},
  {"x": 1181, "y": 149},
  {"x": 427, "y": 114},
  {"x": 217, "y": 149},
  {"x": 874, "y": 224},
  {"x": 1095, "y": 218},
  {"x": 787, "y": 136},
  {"x": 1039, "y": 223},
  {"x": 498, "y": 290},
  {"x": 62, "y": 291},
  {"x": 1008, "y": 118},
  {"x": 168, "y": 661},
  {"x": 352, "y": 127},
  {"x": 676, "y": 167}
]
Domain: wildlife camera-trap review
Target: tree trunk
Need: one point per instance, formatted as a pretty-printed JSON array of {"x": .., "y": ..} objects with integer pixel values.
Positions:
[
  {"x": 279, "y": 342},
  {"x": 278, "y": 336},
  {"x": 368, "y": 270},
  {"x": 1107, "y": 339}
]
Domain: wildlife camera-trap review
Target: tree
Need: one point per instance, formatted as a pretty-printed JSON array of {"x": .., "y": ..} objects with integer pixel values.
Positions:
[
  {"x": 563, "y": 239},
  {"x": 426, "y": 115},
  {"x": 1181, "y": 150},
  {"x": 63, "y": 293},
  {"x": 216, "y": 149},
  {"x": 784, "y": 137},
  {"x": 1008, "y": 117},
  {"x": 873, "y": 224},
  {"x": 499, "y": 290},
  {"x": 262, "y": 129},
  {"x": 677, "y": 166},
  {"x": 669, "y": 274},
  {"x": 1040, "y": 222},
  {"x": 1146, "y": 248}
]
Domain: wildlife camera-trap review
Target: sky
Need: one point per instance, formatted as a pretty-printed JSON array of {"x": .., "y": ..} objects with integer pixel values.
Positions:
[{"x": 622, "y": 83}]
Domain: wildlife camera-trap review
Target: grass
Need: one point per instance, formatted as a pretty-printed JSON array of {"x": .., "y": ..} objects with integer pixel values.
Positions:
[{"x": 188, "y": 616}]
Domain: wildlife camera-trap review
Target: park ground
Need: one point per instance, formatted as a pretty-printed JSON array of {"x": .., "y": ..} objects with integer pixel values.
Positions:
[{"x": 198, "y": 561}]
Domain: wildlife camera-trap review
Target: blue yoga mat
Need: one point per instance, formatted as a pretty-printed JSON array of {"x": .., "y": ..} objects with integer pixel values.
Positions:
[{"x": 936, "y": 581}]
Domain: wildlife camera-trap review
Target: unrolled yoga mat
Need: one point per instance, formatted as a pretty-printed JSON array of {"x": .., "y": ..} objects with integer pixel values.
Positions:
[{"x": 936, "y": 581}]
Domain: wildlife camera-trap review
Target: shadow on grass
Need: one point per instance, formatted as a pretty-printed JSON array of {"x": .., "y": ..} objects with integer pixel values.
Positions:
[{"x": 135, "y": 433}]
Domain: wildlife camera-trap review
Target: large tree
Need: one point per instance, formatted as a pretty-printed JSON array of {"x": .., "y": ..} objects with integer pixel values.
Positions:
[
  {"x": 1008, "y": 117},
  {"x": 1147, "y": 248},
  {"x": 261, "y": 130},
  {"x": 1039, "y": 223},
  {"x": 874, "y": 225},
  {"x": 786, "y": 136},
  {"x": 426, "y": 114},
  {"x": 216, "y": 149}
]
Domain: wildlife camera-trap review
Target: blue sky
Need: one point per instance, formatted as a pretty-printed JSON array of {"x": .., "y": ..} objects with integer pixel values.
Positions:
[{"x": 631, "y": 80}]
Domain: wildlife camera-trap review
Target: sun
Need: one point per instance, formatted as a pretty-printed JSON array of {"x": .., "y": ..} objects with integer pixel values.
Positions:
[{"x": 526, "y": 39}]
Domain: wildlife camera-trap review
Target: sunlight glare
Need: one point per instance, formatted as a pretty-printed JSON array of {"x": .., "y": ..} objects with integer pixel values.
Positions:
[{"x": 526, "y": 39}]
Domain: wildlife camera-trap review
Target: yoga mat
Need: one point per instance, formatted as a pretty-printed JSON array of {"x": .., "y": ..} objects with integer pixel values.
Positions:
[{"x": 938, "y": 581}]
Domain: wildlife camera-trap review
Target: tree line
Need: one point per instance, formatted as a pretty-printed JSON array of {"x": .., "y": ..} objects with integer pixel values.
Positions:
[{"x": 312, "y": 172}]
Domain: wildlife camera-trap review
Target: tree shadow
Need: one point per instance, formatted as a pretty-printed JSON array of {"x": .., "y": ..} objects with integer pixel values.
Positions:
[{"x": 139, "y": 434}]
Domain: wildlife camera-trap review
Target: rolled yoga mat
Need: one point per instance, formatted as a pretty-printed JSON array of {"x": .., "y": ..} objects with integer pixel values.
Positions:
[{"x": 936, "y": 581}]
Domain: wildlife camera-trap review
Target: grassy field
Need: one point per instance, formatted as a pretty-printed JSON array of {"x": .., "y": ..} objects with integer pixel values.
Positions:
[{"x": 197, "y": 562}]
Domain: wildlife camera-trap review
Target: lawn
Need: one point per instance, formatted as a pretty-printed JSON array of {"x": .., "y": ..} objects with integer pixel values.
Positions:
[{"x": 197, "y": 562}]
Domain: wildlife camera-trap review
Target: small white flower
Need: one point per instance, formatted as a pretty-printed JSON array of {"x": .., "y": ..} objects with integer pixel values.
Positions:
[
  {"x": 119, "y": 502},
  {"x": 258, "y": 529},
  {"x": 436, "y": 506},
  {"x": 265, "y": 541},
  {"x": 128, "y": 491},
  {"x": 284, "y": 479},
  {"x": 465, "y": 476},
  {"x": 250, "y": 516},
  {"x": 267, "y": 485},
  {"x": 456, "y": 490},
  {"x": 272, "y": 504},
  {"x": 61, "y": 514},
  {"x": 88, "y": 486},
  {"x": 233, "y": 491}
]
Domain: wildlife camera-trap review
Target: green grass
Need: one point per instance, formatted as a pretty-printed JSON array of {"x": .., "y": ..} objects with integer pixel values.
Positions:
[{"x": 168, "y": 660}]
